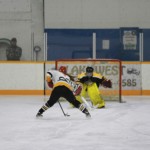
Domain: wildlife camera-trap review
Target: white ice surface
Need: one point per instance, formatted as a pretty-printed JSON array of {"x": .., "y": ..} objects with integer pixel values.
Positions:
[{"x": 120, "y": 126}]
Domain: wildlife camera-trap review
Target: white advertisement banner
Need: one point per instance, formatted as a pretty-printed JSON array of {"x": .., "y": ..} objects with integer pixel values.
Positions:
[
  {"x": 129, "y": 40},
  {"x": 131, "y": 76}
]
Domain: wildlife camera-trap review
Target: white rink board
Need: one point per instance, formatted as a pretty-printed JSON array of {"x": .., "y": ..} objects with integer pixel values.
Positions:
[
  {"x": 21, "y": 76},
  {"x": 145, "y": 76}
]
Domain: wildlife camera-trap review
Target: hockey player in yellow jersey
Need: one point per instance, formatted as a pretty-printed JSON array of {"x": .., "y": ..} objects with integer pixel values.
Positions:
[
  {"x": 62, "y": 86},
  {"x": 91, "y": 82}
]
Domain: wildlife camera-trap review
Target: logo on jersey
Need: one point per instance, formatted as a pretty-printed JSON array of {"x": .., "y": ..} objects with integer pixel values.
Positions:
[{"x": 67, "y": 80}]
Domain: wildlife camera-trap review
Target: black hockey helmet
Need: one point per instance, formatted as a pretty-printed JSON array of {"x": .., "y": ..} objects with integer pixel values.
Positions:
[{"x": 89, "y": 69}]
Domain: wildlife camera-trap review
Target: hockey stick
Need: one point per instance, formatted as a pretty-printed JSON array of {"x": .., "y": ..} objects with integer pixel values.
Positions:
[
  {"x": 86, "y": 103},
  {"x": 65, "y": 114}
]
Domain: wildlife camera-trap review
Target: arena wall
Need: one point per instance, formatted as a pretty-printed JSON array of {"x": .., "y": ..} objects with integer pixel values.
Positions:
[
  {"x": 97, "y": 13},
  {"x": 23, "y": 19}
]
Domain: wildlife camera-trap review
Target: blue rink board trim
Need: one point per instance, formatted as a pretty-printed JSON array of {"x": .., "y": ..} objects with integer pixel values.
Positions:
[{"x": 77, "y": 43}]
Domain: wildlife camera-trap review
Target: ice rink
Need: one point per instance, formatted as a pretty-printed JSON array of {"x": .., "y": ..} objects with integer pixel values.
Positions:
[{"x": 120, "y": 126}]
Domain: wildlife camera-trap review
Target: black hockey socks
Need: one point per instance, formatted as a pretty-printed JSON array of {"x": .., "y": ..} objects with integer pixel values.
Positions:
[
  {"x": 43, "y": 109},
  {"x": 84, "y": 110}
]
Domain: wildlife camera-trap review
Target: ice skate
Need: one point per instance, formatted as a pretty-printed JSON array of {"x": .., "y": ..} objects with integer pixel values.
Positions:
[
  {"x": 39, "y": 115},
  {"x": 88, "y": 115}
]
